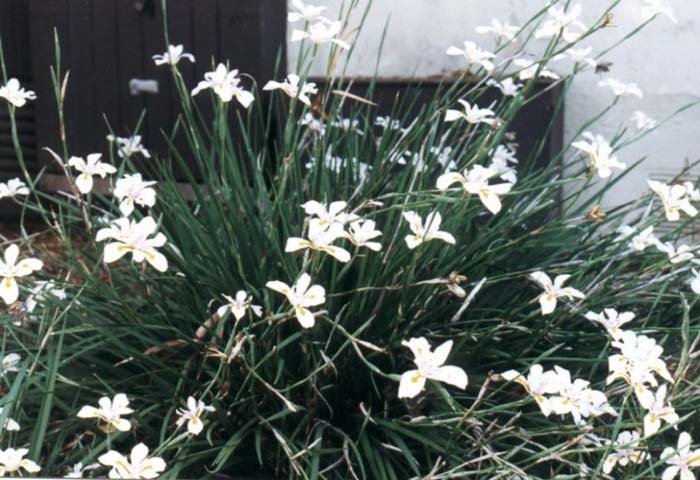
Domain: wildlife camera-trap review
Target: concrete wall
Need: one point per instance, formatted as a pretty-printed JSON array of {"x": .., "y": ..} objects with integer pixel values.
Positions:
[{"x": 664, "y": 60}]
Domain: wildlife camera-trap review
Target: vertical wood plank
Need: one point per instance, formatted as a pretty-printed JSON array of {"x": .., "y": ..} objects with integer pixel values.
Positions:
[{"x": 106, "y": 75}]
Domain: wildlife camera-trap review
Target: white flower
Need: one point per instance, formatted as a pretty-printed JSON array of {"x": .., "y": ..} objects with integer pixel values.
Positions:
[
  {"x": 431, "y": 365},
  {"x": 307, "y": 13},
  {"x": 639, "y": 359},
  {"x": 674, "y": 199},
  {"x": 611, "y": 320},
  {"x": 313, "y": 124},
  {"x": 626, "y": 451},
  {"x": 387, "y": 123},
  {"x": 476, "y": 182},
  {"x": 11, "y": 461},
  {"x": 695, "y": 281},
  {"x": 472, "y": 115},
  {"x": 622, "y": 89},
  {"x": 537, "y": 384},
  {"x": 301, "y": 296},
  {"x": 474, "y": 54},
  {"x": 140, "y": 466},
  {"x": 643, "y": 121},
  {"x": 239, "y": 305},
  {"x": 15, "y": 94},
  {"x": 581, "y": 56},
  {"x": 109, "y": 413},
  {"x": 564, "y": 23},
  {"x": 692, "y": 192},
  {"x": 174, "y": 54},
  {"x": 361, "y": 232},
  {"x": 529, "y": 68},
  {"x": 657, "y": 7},
  {"x": 425, "y": 231},
  {"x": 499, "y": 29},
  {"x": 657, "y": 410},
  {"x": 93, "y": 166},
  {"x": 320, "y": 239},
  {"x": 291, "y": 87},
  {"x": 226, "y": 85},
  {"x": 553, "y": 291},
  {"x": 328, "y": 215},
  {"x": 12, "y": 188},
  {"x": 641, "y": 240},
  {"x": 193, "y": 415},
  {"x": 126, "y": 147},
  {"x": 681, "y": 459},
  {"x": 501, "y": 164},
  {"x": 79, "y": 470},
  {"x": 11, "y": 425},
  {"x": 11, "y": 269},
  {"x": 10, "y": 363},
  {"x": 321, "y": 32},
  {"x": 578, "y": 399},
  {"x": 507, "y": 86},
  {"x": 677, "y": 255},
  {"x": 131, "y": 189},
  {"x": 40, "y": 293},
  {"x": 132, "y": 236},
  {"x": 600, "y": 154}
]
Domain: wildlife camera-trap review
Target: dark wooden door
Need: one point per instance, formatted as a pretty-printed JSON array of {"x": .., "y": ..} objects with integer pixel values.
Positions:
[{"x": 107, "y": 43}]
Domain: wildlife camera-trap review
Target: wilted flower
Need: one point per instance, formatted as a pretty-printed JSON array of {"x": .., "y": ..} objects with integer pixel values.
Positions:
[
  {"x": 537, "y": 384},
  {"x": 681, "y": 460},
  {"x": 507, "y": 86},
  {"x": 10, "y": 363},
  {"x": 140, "y": 466},
  {"x": 132, "y": 189},
  {"x": 12, "y": 188},
  {"x": 425, "y": 231},
  {"x": 326, "y": 216},
  {"x": 11, "y": 269},
  {"x": 109, "y": 413},
  {"x": 320, "y": 33},
  {"x": 474, "y": 54},
  {"x": 553, "y": 290},
  {"x": 499, "y": 29},
  {"x": 93, "y": 166},
  {"x": 15, "y": 94},
  {"x": 320, "y": 239},
  {"x": 643, "y": 121},
  {"x": 361, "y": 232},
  {"x": 301, "y": 296},
  {"x": 622, "y": 89},
  {"x": 657, "y": 410},
  {"x": 11, "y": 461},
  {"x": 562, "y": 22},
  {"x": 611, "y": 320},
  {"x": 472, "y": 114},
  {"x": 291, "y": 87},
  {"x": 674, "y": 199},
  {"x": 226, "y": 85},
  {"x": 193, "y": 415},
  {"x": 132, "y": 236},
  {"x": 239, "y": 305},
  {"x": 173, "y": 55},
  {"x": 126, "y": 147},
  {"x": 626, "y": 451},
  {"x": 305, "y": 12},
  {"x": 651, "y": 8},
  {"x": 431, "y": 365},
  {"x": 476, "y": 182},
  {"x": 600, "y": 154}
]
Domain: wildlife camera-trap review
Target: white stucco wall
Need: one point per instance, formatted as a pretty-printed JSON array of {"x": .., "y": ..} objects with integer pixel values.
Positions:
[{"x": 664, "y": 60}]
